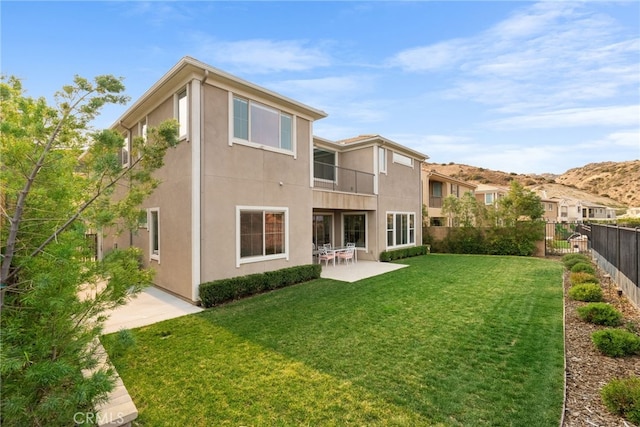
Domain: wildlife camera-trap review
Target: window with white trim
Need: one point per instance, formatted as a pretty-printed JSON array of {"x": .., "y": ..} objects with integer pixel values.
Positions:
[
  {"x": 488, "y": 198},
  {"x": 261, "y": 124},
  {"x": 182, "y": 113},
  {"x": 401, "y": 229},
  {"x": 324, "y": 164},
  {"x": 355, "y": 229},
  {"x": 262, "y": 233},
  {"x": 153, "y": 223},
  {"x": 402, "y": 159},
  {"x": 124, "y": 153},
  {"x": 382, "y": 159}
]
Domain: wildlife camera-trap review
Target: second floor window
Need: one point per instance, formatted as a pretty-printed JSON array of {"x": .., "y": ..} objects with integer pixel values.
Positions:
[
  {"x": 182, "y": 113},
  {"x": 262, "y": 125}
]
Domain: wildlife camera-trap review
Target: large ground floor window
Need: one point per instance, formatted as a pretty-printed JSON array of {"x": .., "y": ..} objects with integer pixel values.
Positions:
[
  {"x": 401, "y": 229},
  {"x": 322, "y": 228},
  {"x": 355, "y": 229},
  {"x": 262, "y": 233}
]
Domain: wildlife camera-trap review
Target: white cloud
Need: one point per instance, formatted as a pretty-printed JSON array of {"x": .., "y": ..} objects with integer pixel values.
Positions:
[
  {"x": 262, "y": 55},
  {"x": 548, "y": 55},
  {"x": 628, "y": 115}
]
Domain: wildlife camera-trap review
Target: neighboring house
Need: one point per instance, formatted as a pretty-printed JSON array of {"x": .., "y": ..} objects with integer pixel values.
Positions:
[
  {"x": 489, "y": 195},
  {"x": 435, "y": 188},
  {"x": 595, "y": 211},
  {"x": 241, "y": 193},
  {"x": 573, "y": 210},
  {"x": 551, "y": 209}
]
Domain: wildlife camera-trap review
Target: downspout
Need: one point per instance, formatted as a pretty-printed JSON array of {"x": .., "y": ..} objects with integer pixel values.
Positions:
[{"x": 129, "y": 184}]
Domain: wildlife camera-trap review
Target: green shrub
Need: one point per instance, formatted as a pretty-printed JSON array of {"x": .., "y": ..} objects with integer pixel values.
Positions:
[
  {"x": 600, "y": 313},
  {"x": 387, "y": 256},
  {"x": 588, "y": 292},
  {"x": 583, "y": 267},
  {"x": 224, "y": 290},
  {"x": 582, "y": 277},
  {"x": 569, "y": 260},
  {"x": 616, "y": 342},
  {"x": 622, "y": 397}
]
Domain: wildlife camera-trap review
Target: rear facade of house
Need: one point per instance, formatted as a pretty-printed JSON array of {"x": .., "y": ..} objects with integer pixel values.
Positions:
[{"x": 240, "y": 195}]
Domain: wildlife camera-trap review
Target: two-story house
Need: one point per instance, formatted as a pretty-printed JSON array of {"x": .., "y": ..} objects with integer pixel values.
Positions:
[
  {"x": 489, "y": 195},
  {"x": 435, "y": 188},
  {"x": 249, "y": 188}
]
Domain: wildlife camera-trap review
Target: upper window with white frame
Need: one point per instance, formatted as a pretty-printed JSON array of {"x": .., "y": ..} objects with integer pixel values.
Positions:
[
  {"x": 262, "y": 233},
  {"x": 261, "y": 124},
  {"x": 402, "y": 159},
  {"x": 382, "y": 159},
  {"x": 182, "y": 113},
  {"x": 124, "y": 153}
]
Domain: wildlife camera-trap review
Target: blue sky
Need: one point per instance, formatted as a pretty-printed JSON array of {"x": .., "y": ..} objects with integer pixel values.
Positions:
[{"x": 527, "y": 87}]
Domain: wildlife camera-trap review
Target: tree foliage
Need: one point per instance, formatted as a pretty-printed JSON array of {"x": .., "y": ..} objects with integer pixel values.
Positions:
[{"x": 58, "y": 182}]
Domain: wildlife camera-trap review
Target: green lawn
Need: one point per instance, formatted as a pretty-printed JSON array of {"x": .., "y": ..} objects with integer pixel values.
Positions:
[{"x": 449, "y": 340}]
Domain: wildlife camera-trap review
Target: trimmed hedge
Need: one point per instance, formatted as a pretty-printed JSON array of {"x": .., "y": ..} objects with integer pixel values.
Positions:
[
  {"x": 600, "y": 313},
  {"x": 622, "y": 397},
  {"x": 569, "y": 260},
  {"x": 582, "y": 277},
  {"x": 225, "y": 290},
  {"x": 588, "y": 292},
  {"x": 616, "y": 342},
  {"x": 387, "y": 256},
  {"x": 583, "y": 267}
]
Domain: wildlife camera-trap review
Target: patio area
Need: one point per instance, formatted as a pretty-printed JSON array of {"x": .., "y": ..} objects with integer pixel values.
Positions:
[{"x": 353, "y": 272}]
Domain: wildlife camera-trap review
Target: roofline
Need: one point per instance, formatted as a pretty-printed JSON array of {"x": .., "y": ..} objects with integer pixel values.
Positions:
[
  {"x": 450, "y": 178},
  {"x": 188, "y": 65},
  {"x": 372, "y": 140}
]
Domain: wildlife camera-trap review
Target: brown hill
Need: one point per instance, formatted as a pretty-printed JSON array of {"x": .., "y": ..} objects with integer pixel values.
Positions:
[{"x": 615, "y": 184}]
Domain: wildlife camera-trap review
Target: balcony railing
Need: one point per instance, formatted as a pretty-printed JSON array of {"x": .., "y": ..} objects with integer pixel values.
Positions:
[
  {"x": 435, "y": 202},
  {"x": 337, "y": 178}
]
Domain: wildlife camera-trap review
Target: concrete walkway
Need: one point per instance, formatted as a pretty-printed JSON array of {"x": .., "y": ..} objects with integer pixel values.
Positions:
[{"x": 150, "y": 306}]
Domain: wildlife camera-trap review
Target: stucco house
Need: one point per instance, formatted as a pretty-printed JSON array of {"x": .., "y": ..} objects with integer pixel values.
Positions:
[
  {"x": 250, "y": 189},
  {"x": 489, "y": 195},
  {"x": 435, "y": 188}
]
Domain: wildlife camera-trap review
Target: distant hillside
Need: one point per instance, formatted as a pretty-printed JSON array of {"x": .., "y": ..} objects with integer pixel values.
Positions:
[{"x": 609, "y": 183}]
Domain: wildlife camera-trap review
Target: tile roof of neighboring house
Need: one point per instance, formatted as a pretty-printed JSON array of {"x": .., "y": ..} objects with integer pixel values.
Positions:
[
  {"x": 425, "y": 168},
  {"x": 484, "y": 188}
]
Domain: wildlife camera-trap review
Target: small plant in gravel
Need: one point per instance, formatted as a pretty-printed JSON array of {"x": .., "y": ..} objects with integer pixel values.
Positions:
[
  {"x": 616, "y": 342},
  {"x": 583, "y": 267},
  {"x": 570, "y": 260},
  {"x": 600, "y": 313},
  {"x": 582, "y": 277},
  {"x": 587, "y": 292},
  {"x": 622, "y": 397}
]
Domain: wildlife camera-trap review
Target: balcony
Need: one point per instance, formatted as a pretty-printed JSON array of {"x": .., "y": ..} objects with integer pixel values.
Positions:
[{"x": 336, "y": 178}]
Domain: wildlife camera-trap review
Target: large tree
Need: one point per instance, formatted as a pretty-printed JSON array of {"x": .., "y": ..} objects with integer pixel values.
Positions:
[{"x": 60, "y": 180}]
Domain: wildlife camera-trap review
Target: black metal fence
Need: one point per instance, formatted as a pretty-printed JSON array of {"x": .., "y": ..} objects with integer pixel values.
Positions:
[
  {"x": 563, "y": 238},
  {"x": 619, "y": 246}
]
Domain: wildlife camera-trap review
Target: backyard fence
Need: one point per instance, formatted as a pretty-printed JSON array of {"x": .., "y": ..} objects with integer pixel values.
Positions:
[
  {"x": 563, "y": 238},
  {"x": 616, "y": 250}
]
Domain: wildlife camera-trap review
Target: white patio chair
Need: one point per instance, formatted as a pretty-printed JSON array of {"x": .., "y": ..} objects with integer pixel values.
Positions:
[
  {"x": 348, "y": 254},
  {"x": 326, "y": 256}
]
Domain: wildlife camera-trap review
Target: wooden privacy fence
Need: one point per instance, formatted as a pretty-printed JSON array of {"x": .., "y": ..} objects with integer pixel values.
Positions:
[{"x": 617, "y": 251}]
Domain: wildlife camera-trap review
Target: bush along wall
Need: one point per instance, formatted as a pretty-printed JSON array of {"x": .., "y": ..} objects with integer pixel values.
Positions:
[
  {"x": 387, "y": 256},
  {"x": 225, "y": 290}
]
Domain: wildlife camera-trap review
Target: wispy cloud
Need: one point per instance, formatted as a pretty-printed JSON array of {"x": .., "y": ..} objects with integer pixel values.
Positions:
[
  {"x": 548, "y": 56},
  {"x": 261, "y": 56},
  {"x": 622, "y": 116}
]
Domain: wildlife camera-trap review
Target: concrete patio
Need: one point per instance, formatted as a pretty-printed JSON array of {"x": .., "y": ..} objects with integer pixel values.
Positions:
[{"x": 353, "y": 272}]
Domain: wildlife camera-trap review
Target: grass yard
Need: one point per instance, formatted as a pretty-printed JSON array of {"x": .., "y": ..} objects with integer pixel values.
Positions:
[{"x": 451, "y": 340}]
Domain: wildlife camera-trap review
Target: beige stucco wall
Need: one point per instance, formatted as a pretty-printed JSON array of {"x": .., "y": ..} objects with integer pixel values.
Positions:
[
  {"x": 399, "y": 191},
  {"x": 240, "y": 175}
]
